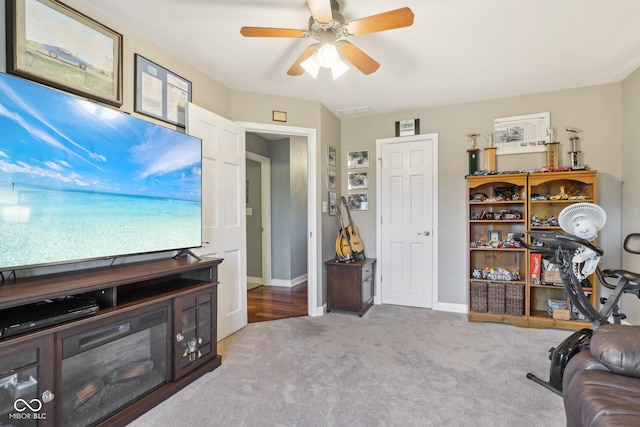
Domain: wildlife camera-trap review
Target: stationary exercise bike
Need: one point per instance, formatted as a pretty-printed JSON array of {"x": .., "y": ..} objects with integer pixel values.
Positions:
[{"x": 578, "y": 259}]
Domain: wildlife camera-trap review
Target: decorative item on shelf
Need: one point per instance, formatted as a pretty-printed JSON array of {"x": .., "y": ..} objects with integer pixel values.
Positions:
[
  {"x": 490, "y": 158},
  {"x": 473, "y": 153},
  {"x": 575, "y": 151},
  {"x": 553, "y": 149},
  {"x": 506, "y": 193},
  {"x": 478, "y": 197}
]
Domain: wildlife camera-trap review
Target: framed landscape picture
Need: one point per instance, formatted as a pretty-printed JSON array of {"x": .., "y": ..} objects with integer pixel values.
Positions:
[
  {"x": 50, "y": 43},
  {"x": 358, "y": 181}
]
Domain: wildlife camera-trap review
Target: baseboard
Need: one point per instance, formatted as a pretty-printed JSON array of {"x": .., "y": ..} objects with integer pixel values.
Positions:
[
  {"x": 254, "y": 280},
  {"x": 441, "y": 306},
  {"x": 289, "y": 283},
  {"x": 452, "y": 308}
]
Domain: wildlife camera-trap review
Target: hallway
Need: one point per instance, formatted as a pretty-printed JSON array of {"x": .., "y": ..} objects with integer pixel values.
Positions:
[{"x": 275, "y": 302}]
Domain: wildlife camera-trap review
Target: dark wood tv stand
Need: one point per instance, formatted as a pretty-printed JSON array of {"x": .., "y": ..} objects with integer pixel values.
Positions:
[{"x": 183, "y": 290}]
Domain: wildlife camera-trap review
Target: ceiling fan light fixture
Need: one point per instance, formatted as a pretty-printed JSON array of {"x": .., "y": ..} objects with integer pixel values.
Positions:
[
  {"x": 339, "y": 68},
  {"x": 328, "y": 55},
  {"x": 311, "y": 65}
]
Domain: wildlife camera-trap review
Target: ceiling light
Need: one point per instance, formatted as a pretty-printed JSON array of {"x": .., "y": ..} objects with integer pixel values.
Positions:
[
  {"x": 328, "y": 55},
  {"x": 311, "y": 65},
  {"x": 339, "y": 68}
]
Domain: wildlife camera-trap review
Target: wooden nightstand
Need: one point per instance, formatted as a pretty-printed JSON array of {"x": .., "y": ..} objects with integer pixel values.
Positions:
[{"x": 350, "y": 285}]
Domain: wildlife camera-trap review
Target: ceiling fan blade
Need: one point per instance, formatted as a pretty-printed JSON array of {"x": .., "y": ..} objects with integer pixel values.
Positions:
[
  {"x": 384, "y": 21},
  {"x": 321, "y": 10},
  {"x": 272, "y": 32},
  {"x": 296, "y": 69},
  {"x": 358, "y": 58}
]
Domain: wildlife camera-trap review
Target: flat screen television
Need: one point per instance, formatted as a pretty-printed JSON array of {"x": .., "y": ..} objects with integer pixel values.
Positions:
[{"x": 82, "y": 181}]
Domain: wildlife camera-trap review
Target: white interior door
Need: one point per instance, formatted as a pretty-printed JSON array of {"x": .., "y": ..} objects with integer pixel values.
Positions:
[
  {"x": 407, "y": 206},
  {"x": 223, "y": 211}
]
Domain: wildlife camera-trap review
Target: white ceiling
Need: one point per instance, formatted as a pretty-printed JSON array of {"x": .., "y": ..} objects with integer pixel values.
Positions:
[{"x": 456, "y": 51}]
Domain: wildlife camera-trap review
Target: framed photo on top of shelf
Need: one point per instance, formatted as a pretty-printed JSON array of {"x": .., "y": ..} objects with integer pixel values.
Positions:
[
  {"x": 160, "y": 93},
  {"x": 495, "y": 235},
  {"x": 53, "y": 44}
]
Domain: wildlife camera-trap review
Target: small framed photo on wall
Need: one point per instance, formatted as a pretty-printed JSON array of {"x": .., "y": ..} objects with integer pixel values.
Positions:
[
  {"x": 357, "y": 181},
  {"x": 358, "y": 201},
  {"x": 331, "y": 178},
  {"x": 358, "y": 159},
  {"x": 331, "y": 160},
  {"x": 332, "y": 203}
]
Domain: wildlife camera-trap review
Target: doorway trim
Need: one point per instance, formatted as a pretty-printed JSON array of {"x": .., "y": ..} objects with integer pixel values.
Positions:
[
  {"x": 313, "y": 225},
  {"x": 265, "y": 212},
  {"x": 435, "y": 228}
]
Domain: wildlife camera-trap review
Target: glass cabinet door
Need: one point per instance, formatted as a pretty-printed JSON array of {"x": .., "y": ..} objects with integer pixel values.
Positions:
[
  {"x": 195, "y": 337},
  {"x": 26, "y": 383}
]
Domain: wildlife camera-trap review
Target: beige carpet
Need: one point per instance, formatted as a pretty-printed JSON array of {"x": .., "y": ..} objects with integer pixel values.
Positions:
[{"x": 396, "y": 366}]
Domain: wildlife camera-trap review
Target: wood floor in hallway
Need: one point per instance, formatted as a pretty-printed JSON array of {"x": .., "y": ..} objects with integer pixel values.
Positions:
[{"x": 276, "y": 302}]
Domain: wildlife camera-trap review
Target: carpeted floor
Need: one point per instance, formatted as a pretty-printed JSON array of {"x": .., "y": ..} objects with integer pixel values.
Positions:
[{"x": 395, "y": 366}]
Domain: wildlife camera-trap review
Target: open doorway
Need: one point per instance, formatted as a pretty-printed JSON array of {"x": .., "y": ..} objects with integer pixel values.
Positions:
[
  {"x": 311, "y": 230},
  {"x": 279, "y": 210}
]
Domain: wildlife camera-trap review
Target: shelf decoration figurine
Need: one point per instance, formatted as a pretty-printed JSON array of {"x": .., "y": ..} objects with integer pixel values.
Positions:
[
  {"x": 553, "y": 149},
  {"x": 490, "y": 153},
  {"x": 473, "y": 153},
  {"x": 574, "y": 153}
]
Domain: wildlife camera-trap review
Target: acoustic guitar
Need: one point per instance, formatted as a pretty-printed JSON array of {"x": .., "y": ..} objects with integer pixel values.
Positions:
[
  {"x": 357, "y": 245},
  {"x": 343, "y": 248}
]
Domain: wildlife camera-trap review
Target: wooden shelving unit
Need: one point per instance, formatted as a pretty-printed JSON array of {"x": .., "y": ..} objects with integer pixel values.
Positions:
[
  {"x": 581, "y": 184},
  {"x": 488, "y": 217},
  {"x": 485, "y": 194}
]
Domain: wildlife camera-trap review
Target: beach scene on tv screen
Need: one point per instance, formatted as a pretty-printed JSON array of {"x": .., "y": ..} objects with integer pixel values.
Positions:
[{"x": 79, "y": 180}]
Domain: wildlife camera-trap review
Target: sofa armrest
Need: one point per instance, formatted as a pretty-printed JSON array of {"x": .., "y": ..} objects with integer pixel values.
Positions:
[
  {"x": 582, "y": 361},
  {"x": 618, "y": 348}
]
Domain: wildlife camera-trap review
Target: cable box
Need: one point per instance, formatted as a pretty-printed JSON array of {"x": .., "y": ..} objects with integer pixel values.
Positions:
[{"x": 26, "y": 318}]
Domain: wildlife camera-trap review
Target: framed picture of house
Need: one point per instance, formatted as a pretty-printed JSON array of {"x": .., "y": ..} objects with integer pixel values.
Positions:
[{"x": 53, "y": 44}]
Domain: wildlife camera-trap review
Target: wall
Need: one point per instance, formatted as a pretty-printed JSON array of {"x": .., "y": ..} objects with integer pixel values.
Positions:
[
  {"x": 595, "y": 110},
  {"x": 631, "y": 181},
  {"x": 254, "y": 221},
  {"x": 289, "y": 208}
]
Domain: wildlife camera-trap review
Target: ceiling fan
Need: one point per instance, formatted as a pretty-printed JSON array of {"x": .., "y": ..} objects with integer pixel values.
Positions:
[{"x": 328, "y": 27}]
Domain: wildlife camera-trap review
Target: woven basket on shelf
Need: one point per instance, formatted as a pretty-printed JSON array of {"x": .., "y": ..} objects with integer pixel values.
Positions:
[
  {"x": 496, "y": 299},
  {"x": 479, "y": 297},
  {"x": 514, "y": 296}
]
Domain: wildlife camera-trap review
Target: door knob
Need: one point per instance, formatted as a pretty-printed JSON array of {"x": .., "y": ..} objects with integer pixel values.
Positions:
[{"x": 424, "y": 233}]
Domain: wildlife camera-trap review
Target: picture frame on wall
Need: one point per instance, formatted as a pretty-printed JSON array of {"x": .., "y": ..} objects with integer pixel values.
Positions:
[
  {"x": 358, "y": 181},
  {"x": 358, "y": 201},
  {"x": 53, "y": 44},
  {"x": 331, "y": 158},
  {"x": 160, "y": 93},
  {"x": 331, "y": 178},
  {"x": 333, "y": 200},
  {"x": 358, "y": 159}
]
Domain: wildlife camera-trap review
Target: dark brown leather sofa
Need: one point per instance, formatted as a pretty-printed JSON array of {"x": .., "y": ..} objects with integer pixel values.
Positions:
[{"x": 601, "y": 387}]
